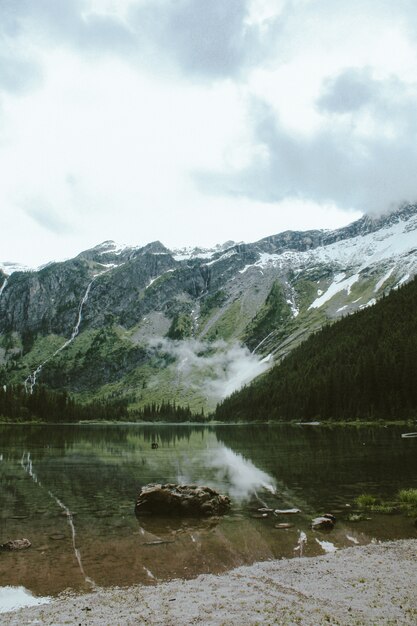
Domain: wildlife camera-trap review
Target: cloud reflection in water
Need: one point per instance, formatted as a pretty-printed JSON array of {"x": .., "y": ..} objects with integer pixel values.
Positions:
[{"x": 241, "y": 476}]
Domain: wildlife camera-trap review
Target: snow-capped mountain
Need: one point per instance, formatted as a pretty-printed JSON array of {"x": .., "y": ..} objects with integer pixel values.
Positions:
[{"x": 193, "y": 324}]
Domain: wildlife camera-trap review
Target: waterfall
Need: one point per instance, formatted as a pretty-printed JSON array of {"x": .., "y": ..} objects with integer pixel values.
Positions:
[
  {"x": 30, "y": 381},
  {"x": 263, "y": 341},
  {"x": 3, "y": 287}
]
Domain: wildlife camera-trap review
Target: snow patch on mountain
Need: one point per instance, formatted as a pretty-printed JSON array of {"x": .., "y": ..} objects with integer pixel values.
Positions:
[
  {"x": 194, "y": 252},
  {"x": 151, "y": 282},
  {"x": 394, "y": 241},
  {"x": 223, "y": 257},
  {"x": 185, "y": 254},
  {"x": 340, "y": 283},
  {"x": 383, "y": 280},
  {"x": 9, "y": 268}
]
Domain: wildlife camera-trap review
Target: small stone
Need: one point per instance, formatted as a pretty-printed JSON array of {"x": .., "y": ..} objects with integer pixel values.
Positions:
[
  {"x": 284, "y": 525},
  {"x": 57, "y": 536},
  {"x": 16, "y": 544}
]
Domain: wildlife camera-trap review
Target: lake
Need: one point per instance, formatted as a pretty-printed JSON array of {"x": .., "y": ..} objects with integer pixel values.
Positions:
[{"x": 71, "y": 491}]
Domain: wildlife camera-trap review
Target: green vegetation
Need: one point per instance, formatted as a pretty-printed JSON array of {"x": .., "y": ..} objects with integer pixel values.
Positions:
[
  {"x": 211, "y": 302},
  {"x": 365, "y": 501},
  {"x": 44, "y": 405},
  {"x": 372, "y": 503},
  {"x": 96, "y": 357},
  {"x": 405, "y": 500},
  {"x": 166, "y": 412},
  {"x": 271, "y": 317},
  {"x": 386, "y": 508},
  {"x": 227, "y": 326},
  {"x": 181, "y": 327},
  {"x": 361, "y": 367},
  {"x": 408, "y": 497},
  {"x": 42, "y": 349},
  {"x": 356, "y": 517}
]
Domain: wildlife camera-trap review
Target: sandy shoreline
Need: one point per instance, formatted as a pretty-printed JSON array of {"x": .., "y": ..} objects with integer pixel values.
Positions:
[{"x": 375, "y": 584}]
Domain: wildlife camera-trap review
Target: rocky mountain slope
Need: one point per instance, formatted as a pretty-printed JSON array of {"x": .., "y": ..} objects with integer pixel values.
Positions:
[{"x": 148, "y": 323}]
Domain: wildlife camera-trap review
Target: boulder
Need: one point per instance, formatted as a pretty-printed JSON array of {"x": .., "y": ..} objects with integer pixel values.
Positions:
[
  {"x": 16, "y": 544},
  {"x": 181, "y": 500}
]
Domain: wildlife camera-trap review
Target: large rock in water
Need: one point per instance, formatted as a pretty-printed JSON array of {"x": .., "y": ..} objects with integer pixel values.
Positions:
[{"x": 190, "y": 500}]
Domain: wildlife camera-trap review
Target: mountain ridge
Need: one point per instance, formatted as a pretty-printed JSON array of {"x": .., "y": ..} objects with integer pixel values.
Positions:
[{"x": 151, "y": 324}]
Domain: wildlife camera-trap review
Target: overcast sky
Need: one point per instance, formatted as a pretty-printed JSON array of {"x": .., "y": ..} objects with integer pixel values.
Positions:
[{"x": 199, "y": 121}]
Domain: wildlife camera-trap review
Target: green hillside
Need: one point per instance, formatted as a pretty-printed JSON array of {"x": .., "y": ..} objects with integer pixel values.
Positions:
[{"x": 361, "y": 367}]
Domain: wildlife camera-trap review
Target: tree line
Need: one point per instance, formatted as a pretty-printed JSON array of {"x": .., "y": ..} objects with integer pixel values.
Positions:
[
  {"x": 45, "y": 405},
  {"x": 167, "y": 412}
]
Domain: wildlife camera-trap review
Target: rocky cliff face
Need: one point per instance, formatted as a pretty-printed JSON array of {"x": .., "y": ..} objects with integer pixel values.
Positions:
[{"x": 191, "y": 325}]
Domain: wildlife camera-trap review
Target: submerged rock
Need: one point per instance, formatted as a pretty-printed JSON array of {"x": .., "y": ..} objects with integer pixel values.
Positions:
[
  {"x": 286, "y": 511},
  {"x": 190, "y": 500},
  {"x": 284, "y": 525},
  {"x": 324, "y": 522},
  {"x": 16, "y": 544}
]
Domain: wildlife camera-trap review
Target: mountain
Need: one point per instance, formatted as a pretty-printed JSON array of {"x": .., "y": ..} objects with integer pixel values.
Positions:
[
  {"x": 147, "y": 323},
  {"x": 363, "y": 366}
]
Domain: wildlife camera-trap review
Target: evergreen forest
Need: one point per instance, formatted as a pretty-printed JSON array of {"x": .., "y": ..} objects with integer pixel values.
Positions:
[
  {"x": 46, "y": 405},
  {"x": 361, "y": 367}
]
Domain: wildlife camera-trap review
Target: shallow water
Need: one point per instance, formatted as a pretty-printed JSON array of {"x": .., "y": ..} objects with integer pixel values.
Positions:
[{"x": 71, "y": 491}]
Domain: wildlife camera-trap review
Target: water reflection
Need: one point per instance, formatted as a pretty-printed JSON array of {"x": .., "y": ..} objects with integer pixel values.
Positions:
[
  {"x": 241, "y": 476},
  {"x": 13, "y": 598},
  {"x": 71, "y": 491},
  {"x": 27, "y": 465}
]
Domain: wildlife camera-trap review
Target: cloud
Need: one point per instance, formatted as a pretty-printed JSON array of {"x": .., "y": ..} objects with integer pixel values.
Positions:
[
  {"x": 28, "y": 29},
  {"x": 205, "y": 38},
  {"x": 19, "y": 71},
  {"x": 46, "y": 217},
  {"x": 362, "y": 156},
  {"x": 64, "y": 22},
  {"x": 213, "y": 39},
  {"x": 220, "y": 373},
  {"x": 18, "y": 74},
  {"x": 349, "y": 91},
  {"x": 292, "y": 113}
]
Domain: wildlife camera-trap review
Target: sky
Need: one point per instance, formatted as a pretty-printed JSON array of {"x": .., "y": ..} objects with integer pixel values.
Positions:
[{"x": 194, "y": 122}]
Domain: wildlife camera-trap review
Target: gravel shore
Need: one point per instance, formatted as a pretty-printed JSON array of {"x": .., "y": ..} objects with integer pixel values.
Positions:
[{"x": 372, "y": 585}]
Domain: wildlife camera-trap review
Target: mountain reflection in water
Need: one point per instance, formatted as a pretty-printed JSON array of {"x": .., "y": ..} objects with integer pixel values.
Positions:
[{"x": 71, "y": 490}]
